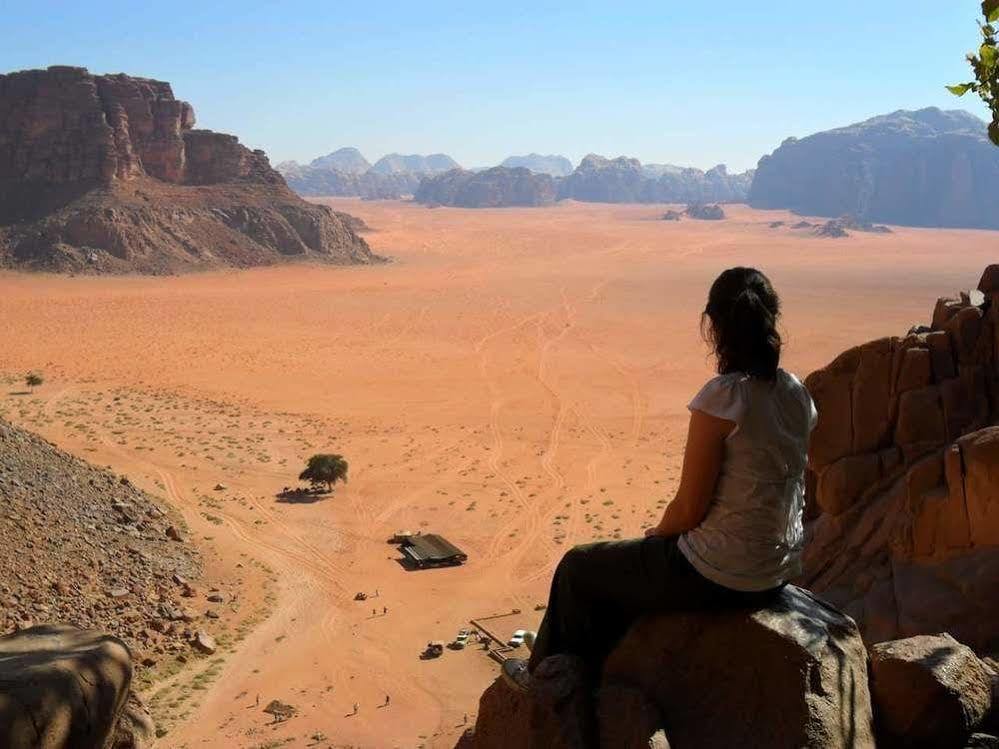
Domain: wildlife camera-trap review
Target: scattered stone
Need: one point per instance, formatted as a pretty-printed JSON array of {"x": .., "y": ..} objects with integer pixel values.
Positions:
[
  {"x": 281, "y": 711},
  {"x": 204, "y": 642},
  {"x": 174, "y": 534},
  {"x": 672, "y": 215},
  {"x": 929, "y": 690}
]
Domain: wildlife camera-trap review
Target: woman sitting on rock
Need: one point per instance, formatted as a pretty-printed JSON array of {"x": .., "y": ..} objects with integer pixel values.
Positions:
[{"x": 732, "y": 536}]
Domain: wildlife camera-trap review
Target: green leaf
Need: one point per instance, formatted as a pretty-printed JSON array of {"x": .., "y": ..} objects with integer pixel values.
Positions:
[
  {"x": 990, "y": 8},
  {"x": 988, "y": 54},
  {"x": 961, "y": 89}
]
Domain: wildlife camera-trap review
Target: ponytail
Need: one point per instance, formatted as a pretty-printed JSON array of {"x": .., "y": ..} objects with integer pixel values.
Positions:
[{"x": 741, "y": 323}]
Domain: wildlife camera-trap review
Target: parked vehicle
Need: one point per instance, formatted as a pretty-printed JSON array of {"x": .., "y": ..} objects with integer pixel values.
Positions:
[
  {"x": 461, "y": 640},
  {"x": 517, "y": 639}
]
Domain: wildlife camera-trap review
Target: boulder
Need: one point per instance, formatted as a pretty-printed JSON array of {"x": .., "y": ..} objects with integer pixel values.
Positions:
[
  {"x": 61, "y": 688},
  {"x": 694, "y": 680},
  {"x": 928, "y": 691}
]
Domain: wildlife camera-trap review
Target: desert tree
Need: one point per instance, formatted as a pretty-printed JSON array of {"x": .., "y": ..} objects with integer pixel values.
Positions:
[
  {"x": 325, "y": 469},
  {"x": 33, "y": 380},
  {"x": 985, "y": 66}
]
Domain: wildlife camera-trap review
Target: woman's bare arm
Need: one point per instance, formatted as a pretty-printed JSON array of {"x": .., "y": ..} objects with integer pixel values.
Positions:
[{"x": 702, "y": 461}]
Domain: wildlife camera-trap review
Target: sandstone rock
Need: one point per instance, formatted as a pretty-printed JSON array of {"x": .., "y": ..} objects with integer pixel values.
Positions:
[
  {"x": 916, "y": 370},
  {"x": 204, "y": 642},
  {"x": 989, "y": 282},
  {"x": 627, "y": 720},
  {"x": 96, "y": 175},
  {"x": 695, "y": 679},
  {"x": 871, "y": 398},
  {"x": 921, "y": 418},
  {"x": 61, "y": 688},
  {"x": 919, "y": 168},
  {"x": 557, "y": 716},
  {"x": 135, "y": 729},
  {"x": 920, "y": 553},
  {"x": 556, "y": 166},
  {"x": 929, "y": 691},
  {"x": 842, "y": 483},
  {"x": 705, "y": 212},
  {"x": 811, "y": 655}
]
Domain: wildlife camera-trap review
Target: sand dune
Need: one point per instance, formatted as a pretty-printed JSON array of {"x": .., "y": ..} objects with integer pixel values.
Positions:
[{"x": 516, "y": 379}]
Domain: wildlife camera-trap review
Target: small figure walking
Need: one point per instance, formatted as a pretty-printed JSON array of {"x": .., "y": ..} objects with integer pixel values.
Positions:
[
  {"x": 374, "y": 612},
  {"x": 464, "y": 720},
  {"x": 387, "y": 700},
  {"x": 376, "y": 592},
  {"x": 258, "y": 701},
  {"x": 384, "y": 610},
  {"x": 356, "y": 707}
]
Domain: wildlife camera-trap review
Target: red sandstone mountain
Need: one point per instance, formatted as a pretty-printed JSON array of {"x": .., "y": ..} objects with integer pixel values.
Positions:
[{"x": 106, "y": 173}]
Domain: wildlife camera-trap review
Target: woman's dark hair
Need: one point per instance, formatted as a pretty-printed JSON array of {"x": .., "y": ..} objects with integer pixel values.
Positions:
[{"x": 740, "y": 322}]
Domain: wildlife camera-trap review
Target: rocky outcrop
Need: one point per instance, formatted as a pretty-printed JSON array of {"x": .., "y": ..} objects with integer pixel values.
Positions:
[
  {"x": 680, "y": 680},
  {"x": 106, "y": 173},
  {"x": 929, "y": 691},
  {"x": 492, "y": 188},
  {"x": 63, "y": 688},
  {"x": 556, "y": 166},
  {"x": 625, "y": 180},
  {"x": 705, "y": 212},
  {"x": 83, "y": 546},
  {"x": 922, "y": 168},
  {"x": 904, "y": 495}
]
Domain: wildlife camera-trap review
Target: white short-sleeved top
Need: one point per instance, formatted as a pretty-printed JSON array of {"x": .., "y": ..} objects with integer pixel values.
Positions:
[{"x": 752, "y": 535}]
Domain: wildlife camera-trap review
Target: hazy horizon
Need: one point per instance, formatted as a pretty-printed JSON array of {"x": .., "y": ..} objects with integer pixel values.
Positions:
[{"x": 684, "y": 86}]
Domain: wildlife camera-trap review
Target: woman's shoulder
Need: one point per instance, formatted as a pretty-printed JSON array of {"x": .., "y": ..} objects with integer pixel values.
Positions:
[
  {"x": 800, "y": 393},
  {"x": 723, "y": 396}
]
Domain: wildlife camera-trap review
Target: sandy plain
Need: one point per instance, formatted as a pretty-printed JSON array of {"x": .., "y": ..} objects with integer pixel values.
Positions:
[{"x": 514, "y": 379}]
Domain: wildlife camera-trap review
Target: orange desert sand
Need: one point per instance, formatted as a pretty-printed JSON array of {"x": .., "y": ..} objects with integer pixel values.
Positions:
[{"x": 515, "y": 379}]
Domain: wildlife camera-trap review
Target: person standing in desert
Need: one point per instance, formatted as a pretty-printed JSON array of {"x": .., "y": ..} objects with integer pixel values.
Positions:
[{"x": 733, "y": 534}]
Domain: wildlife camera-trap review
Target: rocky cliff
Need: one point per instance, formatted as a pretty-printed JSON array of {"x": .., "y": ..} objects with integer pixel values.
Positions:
[
  {"x": 904, "y": 491},
  {"x": 922, "y": 168},
  {"x": 492, "y": 188},
  {"x": 624, "y": 180},
  {"x": 107, "y": 173},
  {"x": 556, "y": 166}
]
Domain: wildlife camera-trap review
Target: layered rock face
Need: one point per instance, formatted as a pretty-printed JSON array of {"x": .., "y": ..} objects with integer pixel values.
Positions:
[
  {"x": 922, "y": 168},
  {"x": 679, "y": 680},
  {"x": 492, "y": 188},
  {"x": 624, "y": 180},
  {"x": 106, "y": 173},
  {"x": 903, "y": 476}
]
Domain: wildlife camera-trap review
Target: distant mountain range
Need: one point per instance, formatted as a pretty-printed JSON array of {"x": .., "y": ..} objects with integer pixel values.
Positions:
[
  {"x": 916, "y": 168},
  {"x": 346, "y": 173},
  {"x": 556, "y": 166},
  {"x": 489, "y": 188}
]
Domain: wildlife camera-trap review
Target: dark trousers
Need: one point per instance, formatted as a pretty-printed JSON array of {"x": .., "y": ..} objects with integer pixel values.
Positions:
[{"x": 600, "y": 589}]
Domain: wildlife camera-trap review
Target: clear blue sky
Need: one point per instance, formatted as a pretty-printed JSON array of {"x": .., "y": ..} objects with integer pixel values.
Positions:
[{"x": 687, "y": 83}]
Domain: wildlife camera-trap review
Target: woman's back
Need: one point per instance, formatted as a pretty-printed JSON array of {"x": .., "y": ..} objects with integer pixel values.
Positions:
[{"x": 751, "y": 537}]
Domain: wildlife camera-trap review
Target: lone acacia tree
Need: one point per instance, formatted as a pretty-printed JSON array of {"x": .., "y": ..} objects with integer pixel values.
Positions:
[
  {"x": 325, "y": 469},
  {"x": 985, "y": 66},
  {"x": 33, "y": 380}
]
